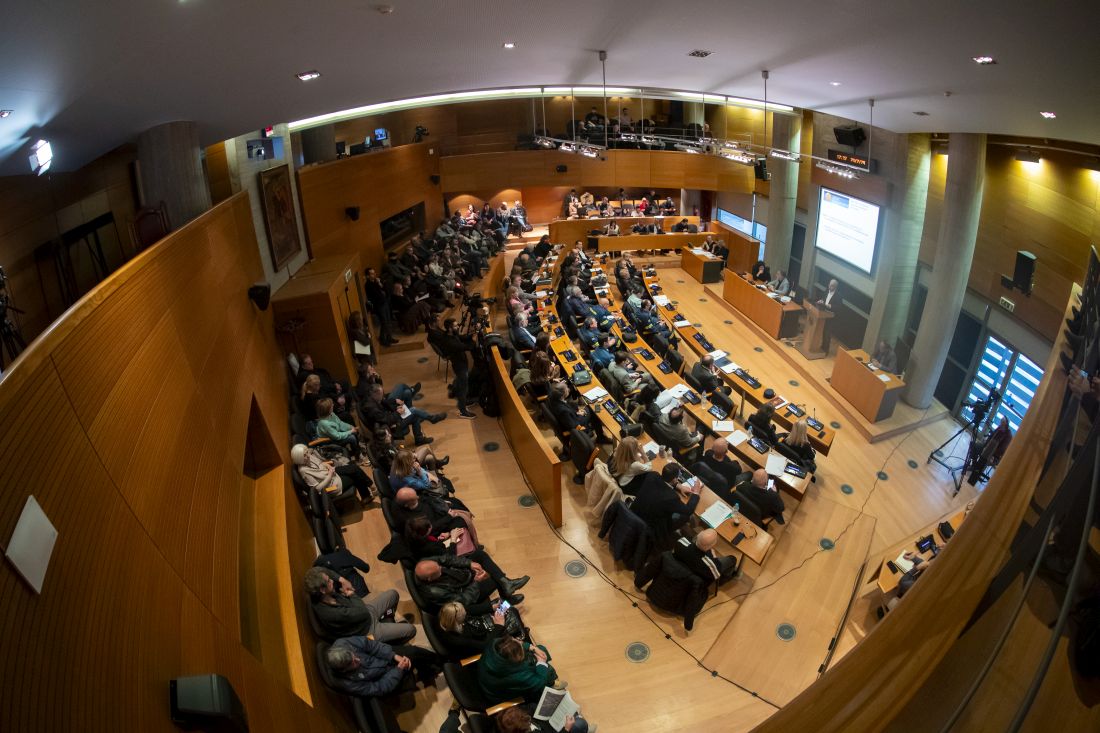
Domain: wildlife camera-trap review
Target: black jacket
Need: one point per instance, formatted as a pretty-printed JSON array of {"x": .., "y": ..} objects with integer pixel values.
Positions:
[
  {"x": 703, "y": 376},
  {"x": 675, "y": 588},
  {"x": 655, "y": 502}
]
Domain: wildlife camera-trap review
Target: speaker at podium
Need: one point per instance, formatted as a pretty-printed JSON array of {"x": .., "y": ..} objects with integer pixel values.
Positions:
[{"x": 814, "y": 331}]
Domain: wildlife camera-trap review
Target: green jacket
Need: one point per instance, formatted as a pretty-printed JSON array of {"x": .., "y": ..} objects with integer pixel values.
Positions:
[{"x": 502, "y": 679}]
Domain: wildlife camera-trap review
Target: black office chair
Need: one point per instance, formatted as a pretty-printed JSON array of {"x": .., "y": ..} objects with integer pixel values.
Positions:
[
  {"x": 549, "y": 418},
  {"x": 693, "y": 382},
  {"x": 325, "y": 523},
  {"x": 675, "y": 360},
  {"x": 382, "y": 483},
  {"x": 387, "y": 514},
  {"x": 462, "y": 679},
  {"x": 723, "y": 402},
  {"x": 582, "y": 451}
]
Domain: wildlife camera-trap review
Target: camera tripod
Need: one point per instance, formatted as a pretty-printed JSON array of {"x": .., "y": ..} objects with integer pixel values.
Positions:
[
  {"x": 11, "y": 341},
  {"x": 973, "y": 426}
]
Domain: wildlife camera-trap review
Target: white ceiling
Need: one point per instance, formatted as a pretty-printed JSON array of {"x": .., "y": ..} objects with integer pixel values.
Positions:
[{"x": 89, "y": 76}]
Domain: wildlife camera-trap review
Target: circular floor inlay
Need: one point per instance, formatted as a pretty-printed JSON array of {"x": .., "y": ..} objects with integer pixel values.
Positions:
[
  {"x": 826, "y": 543},
  {"x": 938, "y": 453},
  {"x": 697, "y": 325},
  {"x": 527, "y": 501},
  {"x": 785, "y": 632},
  {"x": 846, "y": 489},
  {"x": 491, "y": 446},
  {"x": 793, "y": 382},
  {"x": 883, "y": 476},
  {"x": 637, "y": 652},
  {"x": 834, "y": 425},
  {"x": 912, "y": 464},
  {"x": 680, "y": 281},
  {"x": 702, "y": 300},
  {"x": 575, "y": 568},
  {"x": 758, "y": 349},
  {"x": 728, "y": 323},
  {"x": 422, "y": 360}
]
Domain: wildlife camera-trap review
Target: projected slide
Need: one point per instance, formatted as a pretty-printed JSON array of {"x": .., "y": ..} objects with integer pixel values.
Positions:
[{"x": 847, "y": 228}]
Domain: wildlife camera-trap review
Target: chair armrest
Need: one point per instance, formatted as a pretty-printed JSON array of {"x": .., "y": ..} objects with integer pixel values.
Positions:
[
  {"x": 501, "y": 706},
  {"x": 470, "y": 660},
  {"x": 319, "y": 441}
]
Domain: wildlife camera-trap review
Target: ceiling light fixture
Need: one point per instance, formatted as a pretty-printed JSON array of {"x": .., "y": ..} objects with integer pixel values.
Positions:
[
  {"x": 921, "y": 113},
  {"x": 984, "y": 60},
  {"x": 309, "y": 75},
  {"x": 4, "y": 113},
  {"x": 785, "y": 155},
  {"x": 567, "y": 147},
  {"x": 509, "y": 44},
  {"x": 834, "y": 83},
  {"x": 41, "y": 157},
  {"x": 1027, "y": 155},
  {"x": 1048, "y": 115},
  {"x": 700, "y": 53},
  {"x": 545, "y": 142},
  {"x": 837, "y": 170},
  {"x": 685, "y": 148}
]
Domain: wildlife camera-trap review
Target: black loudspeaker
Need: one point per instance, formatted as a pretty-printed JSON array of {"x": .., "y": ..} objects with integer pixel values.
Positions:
[
  {"x": 760, "y": 168},
  {"x": 852, "y": 135},
  {"x": 352, "y": 212},
  {"x": 207, "y": 702},
  {"x": 1024, "y": 275},
  {"x": 562, "y": 168},
  {"x": 260, "y": 294},
  {"x": 434, "y": 179}
]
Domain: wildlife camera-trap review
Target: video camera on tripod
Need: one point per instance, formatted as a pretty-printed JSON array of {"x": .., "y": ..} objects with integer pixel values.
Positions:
[
  {"x": 10, "y": 339},
  {"x": 981, "y": 408}
]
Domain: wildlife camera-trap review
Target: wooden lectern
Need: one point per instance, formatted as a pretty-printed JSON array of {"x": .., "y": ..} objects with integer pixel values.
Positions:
[{"x": 810, "y": 345}]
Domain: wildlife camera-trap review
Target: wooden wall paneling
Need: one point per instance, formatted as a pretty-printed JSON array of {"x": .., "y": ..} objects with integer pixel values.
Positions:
[
  {"x": 544, "y": 203},
  {"x": 217, "y": 173},
  {"x": 805, "y": 166},
  {"x": 595, "y": 172},
  {"x": 632, "y": 168}
]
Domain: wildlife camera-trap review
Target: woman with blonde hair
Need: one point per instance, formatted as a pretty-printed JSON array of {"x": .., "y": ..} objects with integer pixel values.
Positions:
[
  {"x": 467, "y": 634},
  {"x": 330, "y": 426},
  {"x": 407, "y": 471},
  {"x": 798, "y": 443},
  {"x": 308, "y": 396},
  {"x": 629, "y": 464}
]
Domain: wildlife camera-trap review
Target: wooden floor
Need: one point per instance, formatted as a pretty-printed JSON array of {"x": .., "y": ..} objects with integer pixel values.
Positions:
[{"x": 587, "y": 623}]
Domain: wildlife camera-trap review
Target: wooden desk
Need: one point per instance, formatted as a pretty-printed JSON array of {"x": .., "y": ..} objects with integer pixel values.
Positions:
[
  {"x": 567, "y": 231},
  {"x": 647, "y": 241},
  {"x": 744, "y": 250},
  {"x": 887, "y": 579},
  {"x": 873, "y": 393},
  {"x": 705, "y": 268},
  {"x": 766, "y": 312},
  {"x": 822, "y": 439}
]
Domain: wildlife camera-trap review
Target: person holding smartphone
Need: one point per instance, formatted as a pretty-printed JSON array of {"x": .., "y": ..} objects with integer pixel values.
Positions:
[{"x": 761, "y": 491}]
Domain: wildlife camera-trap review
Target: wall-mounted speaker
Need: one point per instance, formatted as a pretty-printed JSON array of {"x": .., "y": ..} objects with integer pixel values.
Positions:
[
  {"x": 260, "y": 294},
  {"x": 434, "y": 179},
  {"x": 1023, "y": 277},
  {"x": 562, "y": 168},
  {"x": 208, "y": 702},
  {"x": 852, "y": 135},
  {"x": 352, "y": 212}
]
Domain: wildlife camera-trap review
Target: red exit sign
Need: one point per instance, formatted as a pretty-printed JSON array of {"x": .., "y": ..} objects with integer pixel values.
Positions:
[{"x": 856, "y": 161}]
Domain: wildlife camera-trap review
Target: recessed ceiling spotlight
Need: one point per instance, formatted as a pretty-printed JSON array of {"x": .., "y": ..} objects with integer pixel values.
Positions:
[
  {"x": 834, "y": 83},
  {"x": 984, "y": 60},
  {"x": 309, "y": 75},
  {"x": 921, "y": 113},
  {"x": 1048, "y": 115},
  {"x": 5, "y": 113},
  {"x": 509, "y": 44},
  {"x": 700, "y": 53}
]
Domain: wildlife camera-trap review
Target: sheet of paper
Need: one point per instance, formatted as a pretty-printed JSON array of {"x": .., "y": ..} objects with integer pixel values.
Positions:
[
  {"x": 884, "y": 377},
  {"x": 362, "y": 349},
  {"x": 722, "y": 426},
  {"x": 729, "y": 368},
  {"x": 716, "y": 513},
  {"x": 679, "y": 390},
  {"x": 600, "y": 291},
  {"x": 404, "y": 411},
  {"x": 682, "y": 324},
  {"x": 717, "y": 354},
  {"x": 773, "y": 296},
  {"x": 737, "y": 437},
  {"x": 651, "y": 448},
  {"x": 595, "y": 393},
  {"x": 541, "y": 293},
  {"x": 661, "y": 299},
  {"x": 699, "y": 251},
  {"x": 904, "y": 565},
  {"x": 666, "y": 398},
  {"x": 422, "y": 297},
  {"x": 566, "y": 708},
  {"x": 776, "y": 464}
]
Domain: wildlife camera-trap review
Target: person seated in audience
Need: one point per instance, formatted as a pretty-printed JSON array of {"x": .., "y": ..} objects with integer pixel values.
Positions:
[
  {"x": 520, "y": 719},
  {"x": 519, "y": 212},
  {"x": 542, "y": 248},
  {"x": 384, "y": 451},
  {"x": 681, "y": 438},
  {"x": 709, "y": 376},
  {"x": 488, "y": 215},
  {"x": 516, "y": 302},
  {"x": 397, "y": 415},
  {"x": 369, "y": 376},
  {"x": 471, "y": 216},
  {"x": 308, "y": 396},
  {"x": 589, "y": 333},
  {"x": 306, "y": 368},
  {"x": 708, "y": 243},
  {"x": 721, "y": 251},
  {"x": 761, "y": 491},
  {"x": 718, "y": 459},
  {"x": 543, "y": 370},
  {"x": 409, "y": 313},
  {"x": 321, "y": 475},
  {"x": 445, "y": 514},
  {"x": 626, "y": 373},
  {"x": 447, "y": 578},
  {"x": 604, "y": 207},
  {"x": 425, "y": 543},
  {"x": 341, "y": 612},
  {"x": 634, "y": 300},
  {"x": 587, "y": 201},
  {"x": 906, "y": 581},
  {"x": 760, "y": 272},
  {"x": 668, "y": 207},
  {"x": 330, "y": 426},
  {"x": 659, "y": 500},
  {"x": 602, "y": 311},
  {"x": 649, "y": 322},
  {"x": 884, "y": 358},
  {"x": 642, "y": 407},
  {"x": 681, "y": 226},
  {"x": 512, "y": 668},
  {"x": 469, "y": 633},
  {"x": 593, "y": 118},
  {"x": 780, "y": 285},
  {"x": 570, "y": 416},
  {"x": 522, "y": 338},
  {"x": 799, "y": 444},
  {"x": 699, "y": 557},
  {"x": 611, "y": 229},
  {"x": 761, "y": 424},
  {"x": 629, "y": 464},
  {"x": 602, "y": 356},
  {"x": 573, "y": 210},
  {"x": 369, "y": 668},
  {"x": 643, "y": 207},
  {"x": 407, "y": 471}
]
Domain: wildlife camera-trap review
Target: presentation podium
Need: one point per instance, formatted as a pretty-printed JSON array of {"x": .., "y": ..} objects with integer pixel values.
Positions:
[{"x": 810, "y": 346}]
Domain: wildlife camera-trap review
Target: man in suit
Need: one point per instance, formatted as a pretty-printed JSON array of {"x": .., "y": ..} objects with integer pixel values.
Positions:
[
  {"x": 658, "y": 500},
  {"x": 624, "y": 372},
  {"x": 589, "y": 334},
  {"x": 453, "y": 578},
  {"x": 668, "y": 207},
  {"x": 699, "y": 557},
  {"x": 717, "y": 459},
  {"x": 678, "y": 433},
  {"x": 681, "y": 226},
  {"x": 831, "y": 302},
  {"x": 762, "y": 492},
  {"x": 521, "y": 337},
  {"x": 602, "y": 356},
  {"x": 885, "y": 358},
  {"x": 571, "y": 417},
  {"x": 780, "y": 285},
  {"x": 708, "y": 376}
]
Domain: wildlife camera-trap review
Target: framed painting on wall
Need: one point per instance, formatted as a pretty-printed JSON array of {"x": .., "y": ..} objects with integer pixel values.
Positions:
[{"x": 278, "y": 203}]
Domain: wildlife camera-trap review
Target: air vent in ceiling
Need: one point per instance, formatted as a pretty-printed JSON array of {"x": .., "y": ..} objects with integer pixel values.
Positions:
[
  {"x": 700, "y": 53},
  {"x": 920, "y": 113}
]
